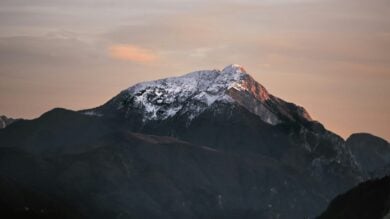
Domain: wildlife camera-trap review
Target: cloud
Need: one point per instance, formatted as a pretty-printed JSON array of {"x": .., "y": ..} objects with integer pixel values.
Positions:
[{"x": 132, "y": 53}]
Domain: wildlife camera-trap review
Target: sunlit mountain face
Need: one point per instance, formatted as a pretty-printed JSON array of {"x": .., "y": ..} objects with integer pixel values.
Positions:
[{"x": 208, "y": 144}]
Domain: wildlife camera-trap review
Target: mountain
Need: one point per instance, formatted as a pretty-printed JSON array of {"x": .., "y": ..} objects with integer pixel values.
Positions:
[
  {"x": 190, "y": 95},
  {"x": 208, "y": 144},
  {"x": 368, "y": 200},
  {"x": 5, "y": 121},
  {"x": 371, "y": 152},
  {"x": 228, "y": 110}
]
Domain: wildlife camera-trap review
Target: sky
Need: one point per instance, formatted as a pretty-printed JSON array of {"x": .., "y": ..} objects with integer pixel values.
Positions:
[{"x": 330, "y": 56}]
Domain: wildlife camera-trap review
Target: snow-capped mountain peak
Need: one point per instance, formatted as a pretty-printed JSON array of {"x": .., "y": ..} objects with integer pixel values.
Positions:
[
  {"x": 234, "y": 69},
  {"x": 199, "y": 80},
  {"x": 191, "y": 94}
]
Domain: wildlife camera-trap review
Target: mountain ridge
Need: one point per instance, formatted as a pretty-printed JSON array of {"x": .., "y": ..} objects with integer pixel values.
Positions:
[{"x": 194, "y": 92}]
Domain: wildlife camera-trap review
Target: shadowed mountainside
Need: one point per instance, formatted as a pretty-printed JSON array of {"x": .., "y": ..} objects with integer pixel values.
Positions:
[{"x": 368, "y": 200}]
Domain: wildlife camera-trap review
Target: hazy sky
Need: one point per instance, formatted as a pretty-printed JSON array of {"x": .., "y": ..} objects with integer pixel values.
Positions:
[{"x": 330, "y": 56}]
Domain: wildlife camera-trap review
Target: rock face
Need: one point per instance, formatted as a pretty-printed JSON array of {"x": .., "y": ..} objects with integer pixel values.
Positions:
[
  {"x": 368, "y": 200},
  {"x": 209, "y": 144},
  {"x": 5, "y": 121}
]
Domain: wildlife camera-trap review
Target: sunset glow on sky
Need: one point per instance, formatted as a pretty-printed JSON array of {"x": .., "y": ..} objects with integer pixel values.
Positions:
[
  {"x": 331, "y": 57},
  {"x": 131, "y": 53}
]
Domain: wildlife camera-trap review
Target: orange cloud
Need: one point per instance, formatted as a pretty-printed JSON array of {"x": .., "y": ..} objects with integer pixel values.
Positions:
[{"x": 132, "y": 53}]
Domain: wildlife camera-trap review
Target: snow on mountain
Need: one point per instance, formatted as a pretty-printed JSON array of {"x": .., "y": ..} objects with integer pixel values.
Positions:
[{"x": 193, "y": 93}]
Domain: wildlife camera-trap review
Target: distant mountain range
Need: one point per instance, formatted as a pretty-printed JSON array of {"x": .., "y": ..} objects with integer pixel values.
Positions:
[{"x": 209, "y": 144}]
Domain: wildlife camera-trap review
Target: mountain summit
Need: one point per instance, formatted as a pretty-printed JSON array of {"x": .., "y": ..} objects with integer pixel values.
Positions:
[{"x": 191, "y": 94}]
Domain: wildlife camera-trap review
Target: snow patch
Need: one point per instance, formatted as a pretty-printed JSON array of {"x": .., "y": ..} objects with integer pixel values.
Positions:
[
  {"x": 193, "y": 93},
  {"x": 92, "y": 113}
]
